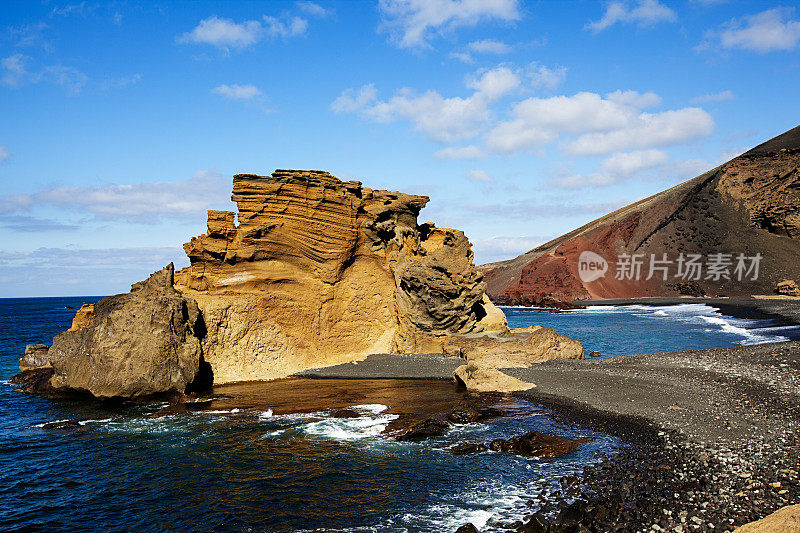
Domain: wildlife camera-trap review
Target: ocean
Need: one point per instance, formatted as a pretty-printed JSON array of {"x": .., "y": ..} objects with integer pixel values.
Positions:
[{"x": 273, "y": 468}]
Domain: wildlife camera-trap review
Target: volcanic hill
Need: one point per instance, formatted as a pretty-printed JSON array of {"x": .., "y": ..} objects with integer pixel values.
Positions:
[{"x": 747, "y": 206}]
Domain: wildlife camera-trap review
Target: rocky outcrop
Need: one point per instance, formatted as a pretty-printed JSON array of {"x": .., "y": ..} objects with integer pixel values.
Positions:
[
  {"x": 320, "y": 272},
  {"x": 535, "y": 444},
  {"x": 310, "y": 271},
  {"x": 486, "y": 378},
  {"x": 749, "y": 205},
  {"x": 786, "y": 520},
  {"x": 35, "y": 357},
  {"x": 139, "y": 344},
  {"x": 787, "y": 287}
]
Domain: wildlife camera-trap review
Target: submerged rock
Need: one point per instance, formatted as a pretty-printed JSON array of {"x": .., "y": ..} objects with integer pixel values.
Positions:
[
  {"x": 537, "y": 444},
  {"x": 62, "y": 424}
]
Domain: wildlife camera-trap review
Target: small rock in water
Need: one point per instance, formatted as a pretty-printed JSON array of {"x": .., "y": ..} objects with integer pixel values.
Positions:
[
  {"x": 62, "y": 424},
  {"x": 467, "y": 528},
  {"x": 595, "y": 353},
  {"x": 537, "y": 444},
  {"x": 468, "y": 447},
  {"x": 425, "y": 430},
  {"x": 345, "y": 413}
]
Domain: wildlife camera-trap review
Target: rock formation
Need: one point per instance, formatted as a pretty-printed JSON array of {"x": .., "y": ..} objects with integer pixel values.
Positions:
[
  {"x": 309, "y": 272},
  {"x": 785, "y": 520},
  {"x": 749, "y": 205},
  {"x": 139, "y": 344},
  {"x": 788, "y": 287}
]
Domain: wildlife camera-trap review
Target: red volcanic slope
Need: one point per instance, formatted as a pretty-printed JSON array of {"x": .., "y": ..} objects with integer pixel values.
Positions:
[{"x": 749, "y": 205}]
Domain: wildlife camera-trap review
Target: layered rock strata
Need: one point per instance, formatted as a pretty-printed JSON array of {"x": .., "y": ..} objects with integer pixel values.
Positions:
[{"x": 310, "y": 271}]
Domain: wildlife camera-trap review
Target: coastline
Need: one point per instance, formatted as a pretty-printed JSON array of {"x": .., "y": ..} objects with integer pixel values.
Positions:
[{"x": 712, "y": 436}]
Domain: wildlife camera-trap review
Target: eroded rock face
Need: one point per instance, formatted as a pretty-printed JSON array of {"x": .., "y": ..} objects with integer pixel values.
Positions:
[
  {"x": 785, "y": 520},
  {"x": 320, "y": 272},
  {"x": 311, "y": 271},
  {"x": 139, "y": 344}
]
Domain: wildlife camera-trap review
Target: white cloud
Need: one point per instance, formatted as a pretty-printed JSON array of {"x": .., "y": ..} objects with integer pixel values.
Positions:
[
  {"x": 312, "y": 9},
  {"x": 659, "y": 129},
  {"x": 225, "y": 33},
  {"x": 763, "y": 32},
  {"x": 542, "y": 76},
  {"x": 464, "y": 152},
  {"x": 723, "y": 96},
  {"x": 495, "y": 83},
  {"x": 237, "y": 92},
  {"x": 441, "y": 119},
  {"x": 350, "y": 100},
  {"x": 489, "y": 46},
  {"x": 412, "y": 23},
  {"x": 635, "y": 99},
  {"x": 602, "y": 125},
  {"x": 643, "y": 13},
  {"x": 479, "y": 176},
  {"x": 15, "y": 73},
  {"x": 141, "y": 203},
  {"x": 4, "y": 154},
  {"x": 626, "y": 164},
  {"x": 121, "y": 83},
  {"x": 14, "y": 70},
  {"x": 462, "y": 56}
]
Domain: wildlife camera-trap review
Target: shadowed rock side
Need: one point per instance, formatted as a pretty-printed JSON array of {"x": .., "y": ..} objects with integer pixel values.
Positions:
[
  {"x": 749, "y": 205},
  {"x": 317, "y": 272},
  {"x": 139, "y": 344}
]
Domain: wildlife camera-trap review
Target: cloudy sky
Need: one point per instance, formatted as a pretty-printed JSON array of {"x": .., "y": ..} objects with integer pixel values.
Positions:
[{"x": 122, "y": 122}]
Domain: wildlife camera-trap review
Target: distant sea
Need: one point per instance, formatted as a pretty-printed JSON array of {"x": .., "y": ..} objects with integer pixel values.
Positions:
[{"x": 224, "y": 471}]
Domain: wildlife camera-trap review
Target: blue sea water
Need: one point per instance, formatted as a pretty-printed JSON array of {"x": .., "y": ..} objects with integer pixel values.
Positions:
[
  {"x": 631, "y": 329},
  {"x": 223, "y": 470},
  {"x": 226, "y": 471}
]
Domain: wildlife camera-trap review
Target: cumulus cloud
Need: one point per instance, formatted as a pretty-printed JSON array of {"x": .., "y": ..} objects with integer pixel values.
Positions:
[
  {"x": 642, "y": 13},
  {"x": 441, "y": 119},
  {"x": 226, "y": 34},
  {"x": 479, "y": 176},
  {"x": 768, "y": 31},
  {"x": 412, "y": 23},
  {"x": 237, "y": 92},
  {"x": 464, "y": 152},
  {"x": 628, "y": 163},
  {"x": 595, "y": 125},
  {"x": 144, "y": 203},
  {"x": 723, "y": 96},
  {"x": 4, "y": 154},
  {"x": 489, "y": 46}
]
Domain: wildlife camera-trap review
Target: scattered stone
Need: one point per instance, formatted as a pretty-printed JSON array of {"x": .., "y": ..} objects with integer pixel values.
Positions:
[{"x": 595, "y": 353}]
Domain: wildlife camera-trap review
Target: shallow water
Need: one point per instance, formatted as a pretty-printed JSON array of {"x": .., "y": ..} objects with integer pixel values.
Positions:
[
  {"x": 265, "y": 457},
  {"x": 630, "y": 329}
]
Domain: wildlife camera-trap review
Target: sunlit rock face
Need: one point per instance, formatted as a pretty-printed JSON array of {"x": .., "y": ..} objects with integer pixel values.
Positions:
[{"x": 319, "y": 271}]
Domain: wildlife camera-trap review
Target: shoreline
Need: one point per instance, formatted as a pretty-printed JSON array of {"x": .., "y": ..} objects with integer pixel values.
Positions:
[{"x": 712, "y": 436}]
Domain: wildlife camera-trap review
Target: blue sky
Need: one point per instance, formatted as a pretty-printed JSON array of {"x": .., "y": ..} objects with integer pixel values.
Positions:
[{"x": 122, "y": 122}]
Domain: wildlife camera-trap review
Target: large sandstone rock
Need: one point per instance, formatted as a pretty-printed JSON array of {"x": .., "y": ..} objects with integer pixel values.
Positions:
[
  {"x": 788, "y": 287},
  {"x": 786, "y": 520},
  {"x": 486, "y": 378},
  {"x": 319, "y": 272},
  {"x": 309, "y": 272},
  {"x": 139, "y": 344}
]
